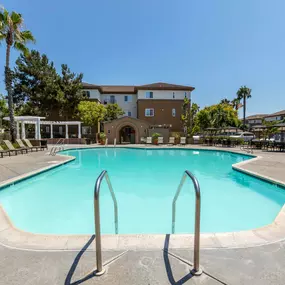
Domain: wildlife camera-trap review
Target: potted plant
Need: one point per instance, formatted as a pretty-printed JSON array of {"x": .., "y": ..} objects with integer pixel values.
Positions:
[
  {"x": 177, "y": 138},
  {"x": 102, "y": 138},
  {"x": 155, "y": 138}
]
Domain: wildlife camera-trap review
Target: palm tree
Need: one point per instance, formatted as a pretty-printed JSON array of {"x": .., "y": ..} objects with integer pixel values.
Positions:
[
  {"x": 11, "y": 32},
  {"x": 244, "y": 93},
  {"x": 236, "y": 103},
  {"x": 225, "y": 101}
]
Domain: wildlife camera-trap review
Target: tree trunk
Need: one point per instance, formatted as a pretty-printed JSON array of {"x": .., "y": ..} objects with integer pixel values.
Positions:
[
  {"x": 244, "y": 110},
  {"x": 8, "y": 82}
]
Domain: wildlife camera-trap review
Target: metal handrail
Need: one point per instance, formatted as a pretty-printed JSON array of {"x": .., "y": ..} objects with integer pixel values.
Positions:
[
  {"x": 100, "y": 270},
  {"x": 246, "y": 147},
  {"x": 196, "y": 270},
  {"x": 59, "y": 142}
]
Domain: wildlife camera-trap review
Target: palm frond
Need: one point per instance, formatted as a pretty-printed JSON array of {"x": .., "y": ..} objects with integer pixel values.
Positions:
[
  {"x": 16, "y": 19},
  {"x": 2, "y": 36},
  {"x": 21, "y": 47},
  {"x": 27, "y": 36}
]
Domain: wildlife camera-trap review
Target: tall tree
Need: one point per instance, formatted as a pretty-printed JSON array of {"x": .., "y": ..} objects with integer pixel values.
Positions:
[
  {"x": 4, "y": 111},
  {"x": 15, "y": 37},
  {"x": 244, "y": 93},
  {"x": 217, "y": 116},
  {"x": 91, "y": 113},
  {"x": 236, "y": 103},
  {"x": 71, "y": 87},
  {"x": 39, "y": 90},
  {"x": 36, "y": 85},
  {"x": 113, "y": 112},
  {"x": 225, "y": 101},
  {"x": 185, "y": 116}
]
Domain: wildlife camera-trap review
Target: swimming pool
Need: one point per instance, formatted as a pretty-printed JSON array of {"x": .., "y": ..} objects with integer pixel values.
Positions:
[{"x": 60, "y": 201}]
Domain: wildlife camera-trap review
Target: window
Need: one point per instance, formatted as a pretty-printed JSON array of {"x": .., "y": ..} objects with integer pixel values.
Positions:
[
  {"x": 128, "y": 98},
  {"x": 47, "y": 129},
  {"x": 60, "y": 130},
  {"x": 185, "y": 94},
  {"x": 173, "y": 95},
  {"x": 149, "y": 95},
  {"x": 129, "y": 113},
  {"x": 149, "y": 112},
  {"x": 112, "y": 99},
  {"x": 86, "y": 94},
  {"x": 173, "y": 112}
]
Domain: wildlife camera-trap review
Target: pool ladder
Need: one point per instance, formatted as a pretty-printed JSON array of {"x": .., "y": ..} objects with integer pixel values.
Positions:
[
  {"x": 100, "y": 270},
  {"x": 58, "y": 147}
]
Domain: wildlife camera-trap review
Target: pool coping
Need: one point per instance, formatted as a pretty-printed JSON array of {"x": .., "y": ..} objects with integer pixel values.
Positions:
[{"x": 11, "y": 236}]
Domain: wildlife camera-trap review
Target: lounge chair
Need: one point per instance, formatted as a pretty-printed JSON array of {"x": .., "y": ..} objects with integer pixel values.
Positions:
[
  {"x": 28, "y": 143},
  {"x": 183, "y": 140},
  {"x": 12, "y": 148},
  {"x": 171, "y": 140},
  {"x": 2, "y": 151},
  {"x": 22, "y": 145},
  {"x": 160, "y": 140},
  {"x": 149, "y": 140}
]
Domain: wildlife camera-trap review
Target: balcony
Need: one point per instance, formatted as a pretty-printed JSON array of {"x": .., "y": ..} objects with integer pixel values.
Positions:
[{"x": 109, "y": 101}]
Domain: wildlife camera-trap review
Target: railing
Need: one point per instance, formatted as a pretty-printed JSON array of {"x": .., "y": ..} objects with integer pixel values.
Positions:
[
  {"x": 247, "y": 147},
  {"x": 58, "y": 146},
  {"x": 100, "y": 270},
  {"x": 196, "y": 270}
]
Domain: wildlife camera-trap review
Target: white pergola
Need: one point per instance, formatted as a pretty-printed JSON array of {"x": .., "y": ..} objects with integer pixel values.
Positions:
[{"x": 25, "y": 120}]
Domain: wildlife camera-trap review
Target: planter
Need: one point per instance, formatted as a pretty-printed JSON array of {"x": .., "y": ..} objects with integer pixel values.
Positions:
[
  {"x": 155, "y": 141},
  {"x": 177, "y": 140},
  {"x": 102, "y": 142}
]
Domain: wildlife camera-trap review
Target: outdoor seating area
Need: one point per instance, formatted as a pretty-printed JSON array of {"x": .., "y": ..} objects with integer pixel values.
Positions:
[
  {"x": 222, "y": 141},
  {"x": 20, "y": 146},
  {"x": 160, "y": 141},
  {"x": 268, "y": 145}
]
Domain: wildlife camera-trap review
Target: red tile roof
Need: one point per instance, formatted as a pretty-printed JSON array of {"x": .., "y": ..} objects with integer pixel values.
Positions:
[
  {"x": 131, "y": 89},
  {"x": 165, "y": 86}
]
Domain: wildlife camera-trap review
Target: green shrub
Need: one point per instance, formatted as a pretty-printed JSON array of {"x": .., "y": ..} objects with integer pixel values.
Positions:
[
  {"x": 102, "y": 136},
  {"x": 156, "y": 135}
]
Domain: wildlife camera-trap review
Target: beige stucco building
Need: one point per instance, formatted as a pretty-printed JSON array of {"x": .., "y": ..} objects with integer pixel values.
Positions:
[
  {"x": 116, "y": 129},
  {"x": 158, "y": 104}
]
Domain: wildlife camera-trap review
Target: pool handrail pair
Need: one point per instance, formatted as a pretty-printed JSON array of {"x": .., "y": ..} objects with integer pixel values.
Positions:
[{"x": 100, "y": 270}]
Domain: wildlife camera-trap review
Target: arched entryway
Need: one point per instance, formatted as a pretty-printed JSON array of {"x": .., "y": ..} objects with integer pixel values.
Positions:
[{"x": 127, "y": 135}]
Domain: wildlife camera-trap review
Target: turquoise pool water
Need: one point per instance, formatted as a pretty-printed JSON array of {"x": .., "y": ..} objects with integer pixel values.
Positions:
[{"x": 60, "y": 201}]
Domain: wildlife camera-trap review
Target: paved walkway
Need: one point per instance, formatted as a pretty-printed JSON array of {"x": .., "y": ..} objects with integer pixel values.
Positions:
[
  {"x": 263, "y": 265},
  {"x": 255, "y": 266}
]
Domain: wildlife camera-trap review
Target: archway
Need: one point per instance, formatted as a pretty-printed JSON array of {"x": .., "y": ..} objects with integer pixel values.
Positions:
[{"x": 127, "y": 134}]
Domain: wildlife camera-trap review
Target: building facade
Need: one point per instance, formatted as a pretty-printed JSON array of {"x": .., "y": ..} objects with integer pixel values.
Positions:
[
  {"x": 255, "y": 120},
  {"x": 275, "y": 117},
  {"x": 158, "y": 104}
]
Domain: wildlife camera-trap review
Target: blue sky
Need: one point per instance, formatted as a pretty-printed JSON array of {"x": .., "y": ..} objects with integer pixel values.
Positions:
[{"x": 214, "y": 45}]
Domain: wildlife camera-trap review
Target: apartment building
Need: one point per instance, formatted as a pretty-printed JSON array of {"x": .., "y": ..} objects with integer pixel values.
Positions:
[
  {"x": 255, "y": 120},
  {"x": 157, "y": 103},
  {"x": 152, "y": 106},
  {"x": 278, "y": 116}
]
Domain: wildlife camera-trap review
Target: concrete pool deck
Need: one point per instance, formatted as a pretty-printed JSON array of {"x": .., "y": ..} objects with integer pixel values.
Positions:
[{"x": 146, "y": 253}]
